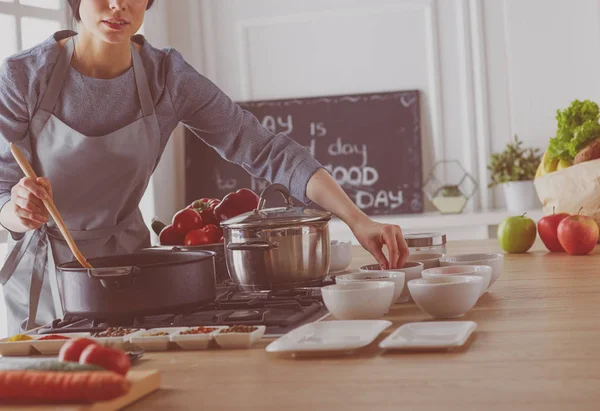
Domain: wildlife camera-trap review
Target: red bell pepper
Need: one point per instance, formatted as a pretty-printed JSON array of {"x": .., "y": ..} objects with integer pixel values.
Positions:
[
  {"x": 236, "y": 203},
  {"x": 205, "y": 207}
]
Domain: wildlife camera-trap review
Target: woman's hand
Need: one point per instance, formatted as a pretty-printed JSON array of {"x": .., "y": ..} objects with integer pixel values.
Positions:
[
  {"x": 373, "y": 236},
  {"x": 26, "y": 199},
  {"x": 323, "y": 190}
]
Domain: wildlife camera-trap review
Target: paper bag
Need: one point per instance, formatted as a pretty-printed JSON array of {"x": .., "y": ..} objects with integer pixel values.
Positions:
[{"x": 570, "y": 189}]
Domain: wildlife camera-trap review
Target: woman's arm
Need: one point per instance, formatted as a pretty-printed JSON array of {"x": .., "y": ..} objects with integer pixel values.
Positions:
[
  {"x": 239, "y": 137},
  {"x": 324, "y": 191},
  {"x": 20, "y": 206}
]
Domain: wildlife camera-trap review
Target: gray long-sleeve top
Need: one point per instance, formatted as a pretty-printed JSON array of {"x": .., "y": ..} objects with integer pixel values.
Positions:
[{"x": 96, "y": 107}]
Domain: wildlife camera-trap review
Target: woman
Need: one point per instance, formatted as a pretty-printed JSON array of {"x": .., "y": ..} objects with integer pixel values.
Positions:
[{"x": 93, "y": 112}]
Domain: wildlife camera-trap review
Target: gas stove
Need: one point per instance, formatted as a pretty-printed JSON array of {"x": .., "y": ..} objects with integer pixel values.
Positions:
[{"x": 280, "y": 311}]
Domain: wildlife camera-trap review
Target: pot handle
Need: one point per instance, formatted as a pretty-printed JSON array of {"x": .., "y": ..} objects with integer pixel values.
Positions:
[
  {"x": 252, "y": 246},
  {"x": 279, "y": 188},
  {"x": 114, "y": 277}
]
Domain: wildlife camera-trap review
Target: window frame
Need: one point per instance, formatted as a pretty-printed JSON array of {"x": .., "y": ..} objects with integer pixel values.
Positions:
[{"x": 15, "y": 8}]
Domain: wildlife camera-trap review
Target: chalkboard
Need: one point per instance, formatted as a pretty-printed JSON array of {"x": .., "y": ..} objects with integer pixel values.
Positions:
[{"x": 370, "y": 144}]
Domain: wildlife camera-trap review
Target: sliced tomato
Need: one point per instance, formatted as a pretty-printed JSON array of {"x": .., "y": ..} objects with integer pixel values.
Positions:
[
  {"x": 72, "y": 349},
  {"x": 108, "y": 358}
]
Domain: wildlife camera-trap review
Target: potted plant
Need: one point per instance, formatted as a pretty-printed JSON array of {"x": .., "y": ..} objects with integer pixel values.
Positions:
[{"x": 514, "y": 170}]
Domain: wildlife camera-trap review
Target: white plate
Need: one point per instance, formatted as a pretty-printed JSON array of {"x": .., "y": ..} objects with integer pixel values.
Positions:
[
  {"x": 51, "y": 347},
  {"x": 155, "y": 343},
  {"x": 238, "y": 339},
  {"x": 330, "y": 336},
  {"x": 195, "y": 341},
  {"x": 429, "y": 335},
  {"x": 15, "y": 348}
]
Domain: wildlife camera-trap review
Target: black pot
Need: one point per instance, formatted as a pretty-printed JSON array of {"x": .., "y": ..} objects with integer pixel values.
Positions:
[{"x": 143, "y": 283}]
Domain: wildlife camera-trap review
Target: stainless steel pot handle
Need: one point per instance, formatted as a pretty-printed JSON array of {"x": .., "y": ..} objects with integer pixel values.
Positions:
[
  {"x": 114, "y": 277},
  {"x": 281, "y": 189},
  {"x": 252, "y": 246}
]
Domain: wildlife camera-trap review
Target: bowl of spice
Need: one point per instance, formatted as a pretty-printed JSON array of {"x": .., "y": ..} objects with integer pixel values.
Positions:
[
  {"x": 195, "y": 338},
  {"x": 17, "y": 345},
  {"x": 50, "y": 344},
  {"x": 156, "y": 339},
  {"x": 115, "y": 335},
  {"x": 240, "y": 336}
]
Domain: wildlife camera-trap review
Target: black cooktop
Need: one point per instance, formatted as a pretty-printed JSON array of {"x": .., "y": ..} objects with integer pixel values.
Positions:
[{"x": 280, "y": 311}]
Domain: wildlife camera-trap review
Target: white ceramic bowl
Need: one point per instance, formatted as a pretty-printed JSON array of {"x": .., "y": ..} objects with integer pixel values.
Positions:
[
  {"x": 411, "y": 269},
  {"x": 360, "y": 300},
  {"x": 447, "y": 296},
  {"x": 429, "y": 260},
  {"x": 496, "y": 261},
  {"x": 397, "y": 277},
  {"x": 483, "y": 271},
  {"x": 341, "y": 255}
]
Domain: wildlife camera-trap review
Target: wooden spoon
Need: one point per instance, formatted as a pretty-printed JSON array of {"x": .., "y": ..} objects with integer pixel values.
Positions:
[{"x": 49, "y": 203}]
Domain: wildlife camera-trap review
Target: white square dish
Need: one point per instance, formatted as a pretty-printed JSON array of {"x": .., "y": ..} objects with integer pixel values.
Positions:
[
  {"x": 116, "y": 340},
  {"x": 329, "y": 337},
  {"x": 194, "y": 341},
  {"x": 429, "y": 335},
  {"x": 150, "y": 342},
  {"x": 52, "y": 347},
  {"x": 233, "y": 340},
  {"x": 15, "y": 348}
]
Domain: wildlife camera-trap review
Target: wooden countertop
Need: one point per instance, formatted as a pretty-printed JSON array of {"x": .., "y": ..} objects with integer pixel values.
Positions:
[{"x": 537, "y": 346}]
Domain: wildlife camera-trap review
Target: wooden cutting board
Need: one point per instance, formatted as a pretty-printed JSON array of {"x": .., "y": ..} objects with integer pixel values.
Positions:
[{"x": 142, "y": 384}]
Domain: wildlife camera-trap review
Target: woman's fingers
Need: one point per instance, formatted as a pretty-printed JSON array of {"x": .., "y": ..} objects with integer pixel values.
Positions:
[
  {"x": 375, "y": 249},
  {"x": 44, "y": 182},
  {"x": 402, "y": 247},
  {"x": 34, "y": 188},
  {"x": 28, "y": 217},
  {"x": 389, "y": 237}
]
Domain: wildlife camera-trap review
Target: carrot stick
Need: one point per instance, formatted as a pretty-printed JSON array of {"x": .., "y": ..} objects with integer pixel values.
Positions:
[{"x": 62, "y": 386}]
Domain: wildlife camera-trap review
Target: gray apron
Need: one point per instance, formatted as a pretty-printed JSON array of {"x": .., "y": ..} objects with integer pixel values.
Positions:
[{"x": 98, "y": 183}]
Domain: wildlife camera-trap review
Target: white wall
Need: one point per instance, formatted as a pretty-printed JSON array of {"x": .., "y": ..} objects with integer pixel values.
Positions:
[{"x": 488, "y": 68}]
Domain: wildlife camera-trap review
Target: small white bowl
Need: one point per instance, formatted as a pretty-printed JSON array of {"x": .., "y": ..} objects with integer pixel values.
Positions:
[
  {"x": 51, "y": 347},
  {"x": 150, "y": 342},
  {"x": 359, "y": 300},
  {"x": 446, "y": 297},
  {"x": 195, "y": 341},
  {"x": 496, "y": 261},
  {"x": 429, "y": 260},
  {"x": 341, "y": 255},
  {"x": 397, "y": 277},
  {"x": 483, "y": 271},
  {"x": 412, "y": 271},
  {"x": 237, "y": 340}
]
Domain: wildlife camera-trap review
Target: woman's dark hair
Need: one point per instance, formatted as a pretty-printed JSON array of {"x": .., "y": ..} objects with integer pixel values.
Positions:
[{"x": 74, "y": 4}]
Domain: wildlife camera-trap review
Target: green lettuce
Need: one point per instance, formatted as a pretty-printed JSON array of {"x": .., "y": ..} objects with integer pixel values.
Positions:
[{"x": 578, "y": 125}]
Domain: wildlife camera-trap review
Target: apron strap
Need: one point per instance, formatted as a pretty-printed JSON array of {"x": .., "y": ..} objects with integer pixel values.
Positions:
[
  {"x": 141, "y": 82},
  {"x": 37, "y": 280},
  {"x": 97, "y": 233},
  {"x": 38, "y": 244},
  {"x": 59, "y": 74},
  {"x": 15, "y": 256}
]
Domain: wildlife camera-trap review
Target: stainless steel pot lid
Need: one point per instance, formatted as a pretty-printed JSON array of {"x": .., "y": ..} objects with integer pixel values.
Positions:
[{"x": 277, "y": 217}]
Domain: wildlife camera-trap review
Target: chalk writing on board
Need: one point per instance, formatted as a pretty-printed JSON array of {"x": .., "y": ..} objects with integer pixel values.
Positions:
[{"x": 369, "y": 143}]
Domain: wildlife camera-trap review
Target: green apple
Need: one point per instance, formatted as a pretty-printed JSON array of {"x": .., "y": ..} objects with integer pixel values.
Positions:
[{"x": 517, "y": 234}]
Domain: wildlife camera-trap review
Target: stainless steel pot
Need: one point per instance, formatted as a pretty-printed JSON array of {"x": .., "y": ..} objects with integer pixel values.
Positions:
[{"x": 277, "y": 248}]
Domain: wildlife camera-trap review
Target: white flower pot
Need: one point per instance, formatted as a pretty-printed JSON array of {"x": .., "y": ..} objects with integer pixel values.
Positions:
[{"x": 520, "y": 196}]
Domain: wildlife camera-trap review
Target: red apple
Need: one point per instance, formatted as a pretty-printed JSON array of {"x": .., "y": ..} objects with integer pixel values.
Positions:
[
  {"x": 578, "y": 234},
  {"x": 548, "y": 230}
]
